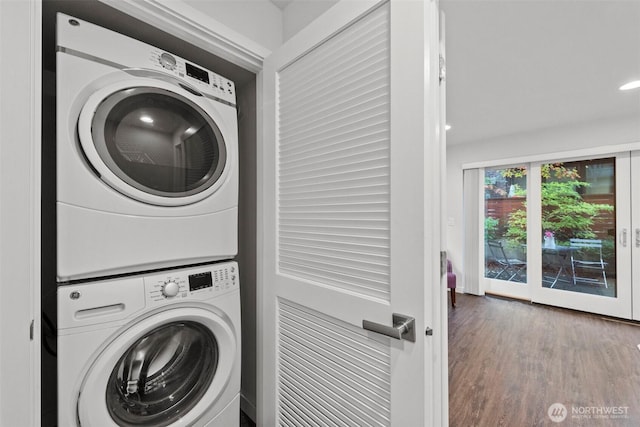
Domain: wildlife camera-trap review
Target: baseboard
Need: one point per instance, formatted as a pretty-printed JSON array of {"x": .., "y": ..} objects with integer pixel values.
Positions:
[{"x": 248, "y": 407}]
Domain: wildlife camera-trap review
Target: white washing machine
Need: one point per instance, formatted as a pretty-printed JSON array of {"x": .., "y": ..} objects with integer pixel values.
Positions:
[
  {"x": 151, "y": 350},
  {"x": 147, "y": 157}
]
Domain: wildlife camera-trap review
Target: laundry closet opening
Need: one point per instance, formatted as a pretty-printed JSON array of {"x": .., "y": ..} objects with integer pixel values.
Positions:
[{"x": 105, "y": 16}]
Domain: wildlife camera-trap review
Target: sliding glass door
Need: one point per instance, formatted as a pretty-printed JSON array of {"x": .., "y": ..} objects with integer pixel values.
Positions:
[
  {"x": 505, "y": 231},
  {"x": 564, "y": 233},
  {"x": 581, "y": 243}
]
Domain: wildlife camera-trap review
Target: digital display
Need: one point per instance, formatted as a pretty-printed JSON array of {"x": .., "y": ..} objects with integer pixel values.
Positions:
[
  {"x": 200, "y": 281},
  {"x": 197, "y": 73}
]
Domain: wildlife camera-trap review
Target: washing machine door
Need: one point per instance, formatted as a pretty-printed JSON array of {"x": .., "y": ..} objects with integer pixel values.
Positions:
[
  {"x": 167, "y": 369},
  {"x": 155, "y": 141}
]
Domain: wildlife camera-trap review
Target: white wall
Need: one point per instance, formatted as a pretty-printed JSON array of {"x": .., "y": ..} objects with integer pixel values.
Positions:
[
  {"x": 259, "y": 20},
  {"x": 299, "y": 13},
  {"x": 545, "y": 142}
]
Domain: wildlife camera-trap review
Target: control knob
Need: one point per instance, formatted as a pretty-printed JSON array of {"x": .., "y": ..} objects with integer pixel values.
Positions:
[
  {"x": 168, "y": 61},
  {"x": 170, "y": 289}
]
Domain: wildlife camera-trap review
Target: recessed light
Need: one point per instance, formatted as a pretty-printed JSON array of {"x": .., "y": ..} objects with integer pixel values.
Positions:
[
  {"x": 631, "y": 85},
  {"x": 146, "y": 119},
  {"x": 447, "y": 127}
]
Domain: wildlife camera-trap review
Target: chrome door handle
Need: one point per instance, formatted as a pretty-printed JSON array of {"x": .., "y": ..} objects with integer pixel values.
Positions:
[
  {"x": 404, "y": 327},
  {"x": 637, "y": 237}
]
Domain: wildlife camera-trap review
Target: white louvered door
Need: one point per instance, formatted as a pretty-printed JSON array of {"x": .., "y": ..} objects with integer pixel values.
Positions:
[{"x": 350, "y": 224}]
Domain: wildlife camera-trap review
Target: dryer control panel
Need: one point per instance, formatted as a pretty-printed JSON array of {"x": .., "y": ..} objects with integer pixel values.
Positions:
[
  {"x": 198, "y": 283},
  {"x": 105, "y": 46},
  {"x": 201, "y": 78}
]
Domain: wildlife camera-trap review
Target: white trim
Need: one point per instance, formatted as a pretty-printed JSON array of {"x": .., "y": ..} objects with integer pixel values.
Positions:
[
  {"x": 602, "y": 150},
  {"x": 441, "y": 304},
  {"x": 188, "y": 24},
  {"x": 20, "y": 177},
  {"x": 262, "y": 86},
  {"x": 35, "y": 192}
]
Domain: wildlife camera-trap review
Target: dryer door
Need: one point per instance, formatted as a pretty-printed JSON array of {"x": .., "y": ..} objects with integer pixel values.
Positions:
[
  {"x": 174, "y": 366},
  {"x": 154, "y": 141}
]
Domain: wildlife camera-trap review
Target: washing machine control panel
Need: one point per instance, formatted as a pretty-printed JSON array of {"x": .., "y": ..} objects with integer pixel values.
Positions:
[
  {"x": 202, "y": 79},
  {"x": 192, "y": 284}
]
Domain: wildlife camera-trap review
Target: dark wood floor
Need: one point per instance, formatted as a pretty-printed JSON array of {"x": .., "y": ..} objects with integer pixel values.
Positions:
[{"x": 509, "y": 361}]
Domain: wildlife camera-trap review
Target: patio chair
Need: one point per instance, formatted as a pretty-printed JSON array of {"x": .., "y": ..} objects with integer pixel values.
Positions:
[
  {"x": 586, "y": 257},
  {"x": 508, "y": 266}
]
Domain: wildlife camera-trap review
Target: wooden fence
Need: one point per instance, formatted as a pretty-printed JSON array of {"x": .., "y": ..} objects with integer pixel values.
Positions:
[{"x": 604, "y": 226}]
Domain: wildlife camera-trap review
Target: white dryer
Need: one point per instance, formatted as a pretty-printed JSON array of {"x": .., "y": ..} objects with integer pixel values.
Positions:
[
  {"x": 151, "y": 350},
  {"x": 147, "y": 157}
]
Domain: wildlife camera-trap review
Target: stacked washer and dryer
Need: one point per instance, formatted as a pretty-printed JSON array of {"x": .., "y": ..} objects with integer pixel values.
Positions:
[{"x": 147, "y": 190}]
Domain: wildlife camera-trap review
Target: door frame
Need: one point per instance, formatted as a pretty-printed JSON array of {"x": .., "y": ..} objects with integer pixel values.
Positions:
[{"x": 20, "y": 163}]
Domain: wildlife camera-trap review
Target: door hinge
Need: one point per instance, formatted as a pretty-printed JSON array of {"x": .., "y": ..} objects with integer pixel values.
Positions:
[
  {"x": 443, "y": 69},
  {"x": 428, "y": 332},
  {"x": 443, "y": 263},
  {"x": 31, "y": 329}
]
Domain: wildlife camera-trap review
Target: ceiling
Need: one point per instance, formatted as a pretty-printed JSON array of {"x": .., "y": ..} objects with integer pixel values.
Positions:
[
  {"x": 282, "y": 4},
  {"x": 518, "y": 66}
]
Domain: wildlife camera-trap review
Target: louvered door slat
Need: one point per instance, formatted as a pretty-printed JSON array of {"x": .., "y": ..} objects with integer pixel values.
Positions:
[
  {"x": 315, "y": 153},
  {"x": 350, "y": 128},
  {"x": 334, "y": 115},
  {"x": 335, "y": 53},
  {"x": 331, "y": 372},
  {"x": 352, "y": 182},
  {"x": 333, "y": 158},
  {"x": 347, "y": 256},
  {"x": 357, "y": 63},
  {"x": 371, "y": 82}
]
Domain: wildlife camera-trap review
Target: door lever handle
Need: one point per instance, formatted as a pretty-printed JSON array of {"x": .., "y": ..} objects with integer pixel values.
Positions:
[
  {"x": 623, "y": 238},
  {"x": 404, "y": 327}
]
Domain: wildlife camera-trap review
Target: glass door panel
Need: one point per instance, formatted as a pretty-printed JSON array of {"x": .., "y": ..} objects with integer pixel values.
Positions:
[
  {"x": 584, "y": 216},
  {"x": 505, "y": 230},
  {"x": 578, "y": 207}
]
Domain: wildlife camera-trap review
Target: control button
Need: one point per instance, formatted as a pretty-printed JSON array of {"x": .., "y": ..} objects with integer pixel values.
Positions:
[
  {"x": 168, "y": 61},
  {"x": 170, "y": 289}
]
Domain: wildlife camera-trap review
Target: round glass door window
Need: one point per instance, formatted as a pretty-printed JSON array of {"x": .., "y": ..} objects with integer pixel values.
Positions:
[
  {"x": 158, "y": 142},
  {"x": 163, "y": 375}
]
